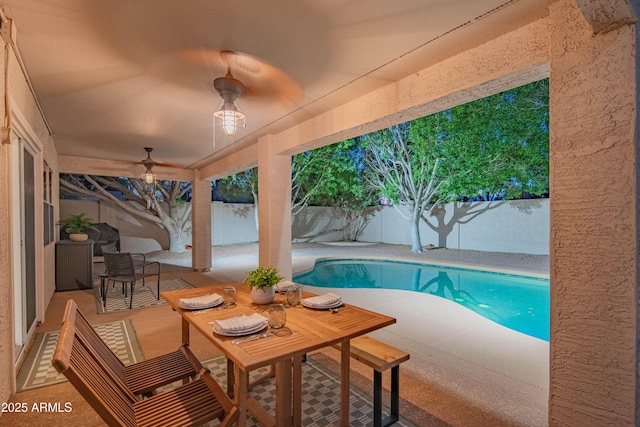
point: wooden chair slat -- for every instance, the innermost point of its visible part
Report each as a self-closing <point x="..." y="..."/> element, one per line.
<point x="111" y="402"/>
<point x="146" y="376"/>
<point x="187" y="405"/>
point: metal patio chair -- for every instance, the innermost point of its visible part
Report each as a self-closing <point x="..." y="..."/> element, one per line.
<point x="121" y="267"/>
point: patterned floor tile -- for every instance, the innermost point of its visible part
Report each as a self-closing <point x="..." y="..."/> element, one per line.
<point x="143" y="295"/>
<point x="37" y="371"/>
<point x="320" y="398"/>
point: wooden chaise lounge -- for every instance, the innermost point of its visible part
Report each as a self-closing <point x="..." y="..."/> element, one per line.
<point x="102" y="380"/>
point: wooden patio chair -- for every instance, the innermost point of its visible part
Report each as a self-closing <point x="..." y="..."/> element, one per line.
<point x="122" y="267"/>
<point x="142" y="378"/>
<point x="102" y="384"/>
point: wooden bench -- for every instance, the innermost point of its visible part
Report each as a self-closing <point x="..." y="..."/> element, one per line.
<point x="381" y="357"/>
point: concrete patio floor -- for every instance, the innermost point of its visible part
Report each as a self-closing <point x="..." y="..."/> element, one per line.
<point x="464" y="369"/>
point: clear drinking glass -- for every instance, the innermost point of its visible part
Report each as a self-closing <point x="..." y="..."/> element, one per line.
<point x="294" y="296"/>
<point x="229" y="296"/>
<point x="277" y="316"/>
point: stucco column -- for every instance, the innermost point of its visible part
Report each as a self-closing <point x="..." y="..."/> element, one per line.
<point x="200" y="223"/>
<point x="594" y="216"/>
<point x="274" y="207"/>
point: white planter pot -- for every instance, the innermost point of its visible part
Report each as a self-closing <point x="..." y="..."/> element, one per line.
<point x="263" y="296"/>
<point x="78" y="237"/>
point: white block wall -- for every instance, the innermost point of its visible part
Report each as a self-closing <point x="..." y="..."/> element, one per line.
<point x="520" y="226"/>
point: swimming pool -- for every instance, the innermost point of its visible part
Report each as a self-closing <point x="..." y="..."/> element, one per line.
<point x="518" y="302"/>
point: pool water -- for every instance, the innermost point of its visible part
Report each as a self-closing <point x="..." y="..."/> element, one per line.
<point x="520" y="303"/>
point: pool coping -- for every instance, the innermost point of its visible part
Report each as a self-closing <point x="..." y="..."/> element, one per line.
<point x="451" y="264"/>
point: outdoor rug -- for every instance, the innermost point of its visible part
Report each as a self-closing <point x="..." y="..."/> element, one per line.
<point x="37" y="371"/>
<point x="320" y="396"/>
<point x="143" y="295"/>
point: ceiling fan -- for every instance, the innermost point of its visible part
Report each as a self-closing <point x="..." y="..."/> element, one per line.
<point x="257" y="80"/>
<point x="148" y="176"/>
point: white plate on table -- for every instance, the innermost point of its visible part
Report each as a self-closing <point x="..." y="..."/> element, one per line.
<point x="200" y="306"/>
<point x="284" y="286"/>
<point x="335" y="304"/>
<point x="249" y="331"/>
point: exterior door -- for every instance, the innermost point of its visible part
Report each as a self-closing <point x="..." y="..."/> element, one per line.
<point x="25" y="280"/>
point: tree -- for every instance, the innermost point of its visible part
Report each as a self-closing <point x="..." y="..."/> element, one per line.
<point x="494" y="148"/>
<point x="345" y="185"/>
<point x="305" y="179"/>
<point x="327" y="176"/>
<point x="238" y="188"/>
<point x="405" y="172"/>
<point x="163" y="203"/>
<point x="241" y="187"/>
<point x="308" y="171"/>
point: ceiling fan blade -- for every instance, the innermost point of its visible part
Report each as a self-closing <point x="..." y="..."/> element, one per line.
<point x="167" y="164"/>
<point x="240" y="61"/>
<point x="150" y="163"/>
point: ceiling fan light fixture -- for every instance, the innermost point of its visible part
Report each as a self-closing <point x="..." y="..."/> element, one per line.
<point x="229" y="114"/>
<point x="230" y="118"/>
<point x="149" y="177"/>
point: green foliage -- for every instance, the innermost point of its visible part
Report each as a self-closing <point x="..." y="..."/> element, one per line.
<point x="335" y="175"/>
<point x="308" y="171"/>
<point x="403" y="170"/>
<point x="327" y="176"/>
<point x="344" y="177"/>
<point x="77" y="224"/>
<point x="263" y="277"/>
<point x="238" y="188"/>
<point x="496" y="147"/>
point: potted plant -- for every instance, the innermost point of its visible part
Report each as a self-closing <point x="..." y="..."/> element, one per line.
<point x="261" y="281"/>
<point x="77" y="227"/>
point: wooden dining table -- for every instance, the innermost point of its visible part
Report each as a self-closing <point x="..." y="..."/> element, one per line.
<point x="305" y="330"/>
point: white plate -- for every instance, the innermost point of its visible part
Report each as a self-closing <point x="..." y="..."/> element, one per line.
<point x="253" y="330"/>
<point x="201" y="306"/>
<point x="322" y="306"/>
<point x="283" y="287"/>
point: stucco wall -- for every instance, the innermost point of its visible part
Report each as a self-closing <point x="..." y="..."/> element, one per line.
<point x="6" y="336"/>
<point x="27" y="123"/>
<point x="594" y="196"/>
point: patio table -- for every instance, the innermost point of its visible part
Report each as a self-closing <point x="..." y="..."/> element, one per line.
<point x="306" y="330"/>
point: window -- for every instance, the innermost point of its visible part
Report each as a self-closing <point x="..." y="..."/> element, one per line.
<point x="49" y="225"/>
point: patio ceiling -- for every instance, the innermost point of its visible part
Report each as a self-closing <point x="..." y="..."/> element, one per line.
<point x="113" y="77"/>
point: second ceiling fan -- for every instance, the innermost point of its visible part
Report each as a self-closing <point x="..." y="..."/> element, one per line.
<point x="148" y="176"/>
